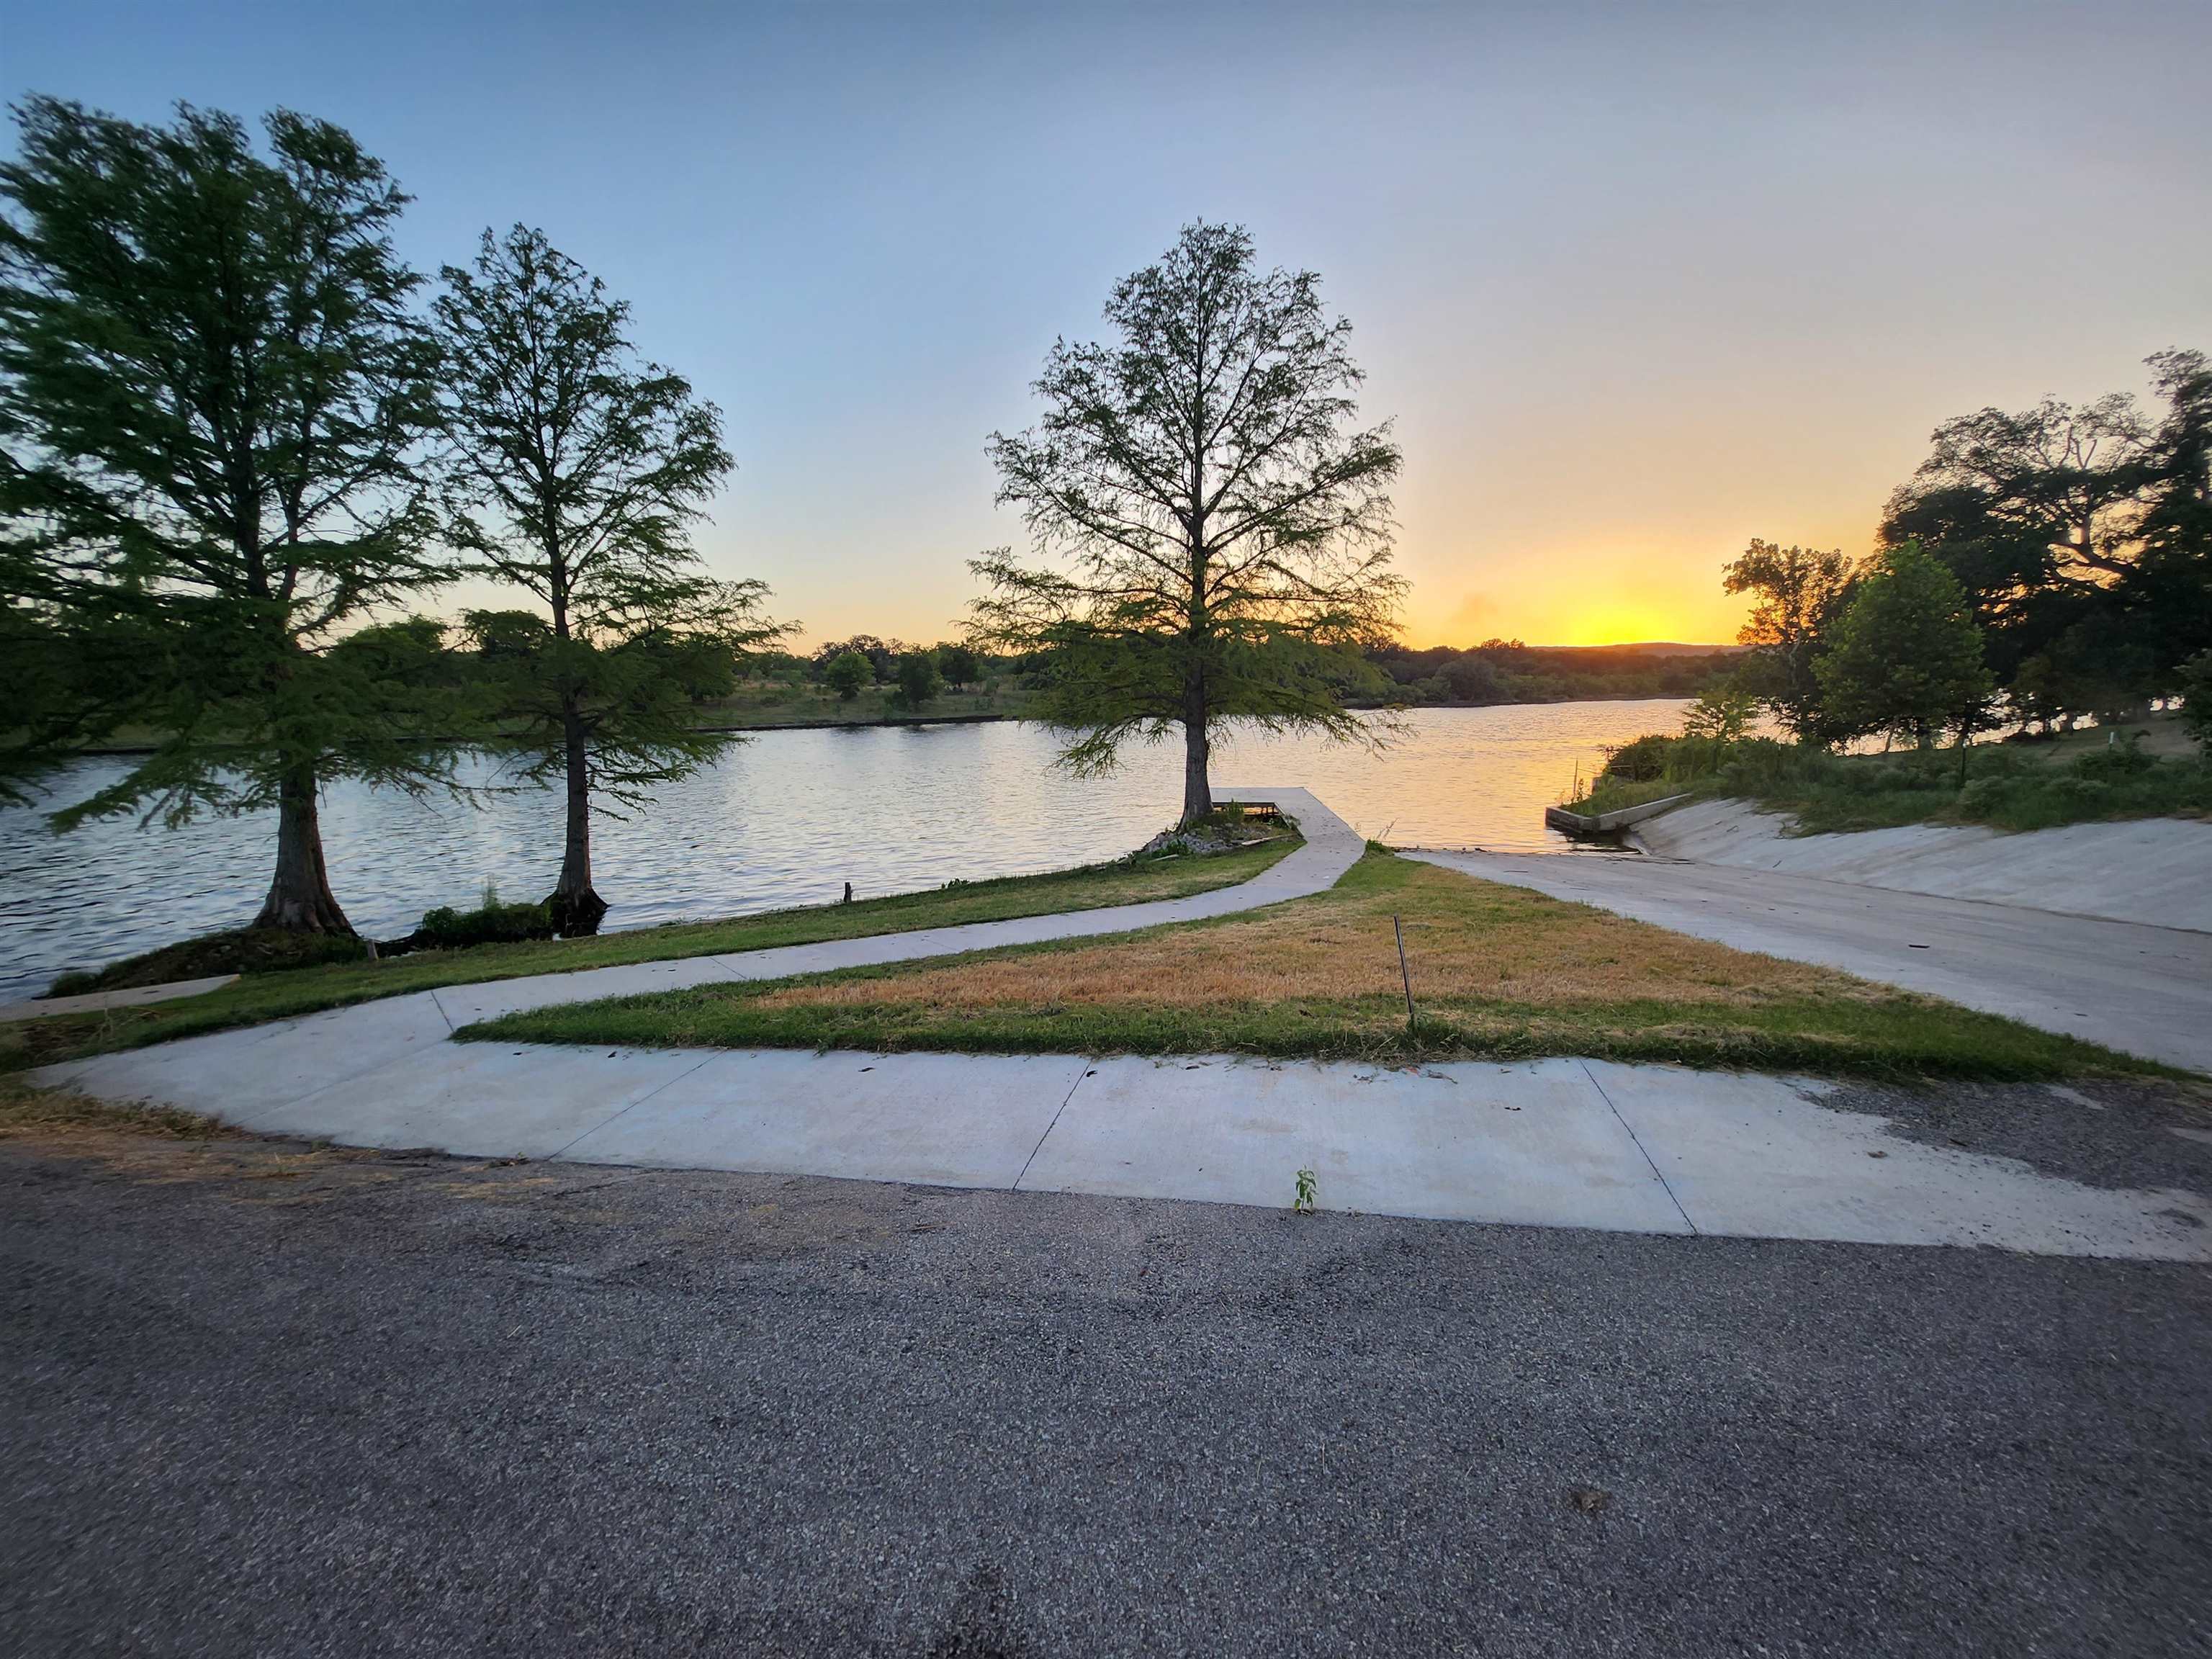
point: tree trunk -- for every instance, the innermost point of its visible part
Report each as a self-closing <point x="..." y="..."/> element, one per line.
<point x="299" y="899"/>
<point x="575" y="906"/>
<point x="1197" y="792"/>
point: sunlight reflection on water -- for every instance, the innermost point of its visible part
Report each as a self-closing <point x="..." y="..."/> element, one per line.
<point x="785" y="818"/>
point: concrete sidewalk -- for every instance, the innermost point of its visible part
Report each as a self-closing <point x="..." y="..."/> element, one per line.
<point x="93" y="1002"/>
<point x="1558" y="1143"/>
<point x="1563" y="1143"/>
<point x="2143" y="989"/>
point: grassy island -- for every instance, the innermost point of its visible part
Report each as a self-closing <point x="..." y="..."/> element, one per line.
<point x="1498" y="972"/>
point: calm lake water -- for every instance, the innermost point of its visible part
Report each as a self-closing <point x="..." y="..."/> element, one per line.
<point x="787" y="817"/>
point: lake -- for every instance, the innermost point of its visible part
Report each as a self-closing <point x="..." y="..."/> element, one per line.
<point x="784" y="818"/>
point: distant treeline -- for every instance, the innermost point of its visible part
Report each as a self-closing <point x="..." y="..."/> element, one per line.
<point x="1506" y="671"/>
<point x="1495" y="671"/>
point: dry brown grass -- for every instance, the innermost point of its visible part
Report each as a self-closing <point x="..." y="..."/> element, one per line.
<point x="1466" y="942"/>
<point x="49" y="1114"/>
<point x="1499" y="973"/>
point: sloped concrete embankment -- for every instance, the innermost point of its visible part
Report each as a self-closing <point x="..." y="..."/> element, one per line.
<point x="2155" y="871"/>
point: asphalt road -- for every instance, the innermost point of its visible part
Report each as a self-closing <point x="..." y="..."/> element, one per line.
<point x="2146" y="990"/>
<point x="254" y="1400"/>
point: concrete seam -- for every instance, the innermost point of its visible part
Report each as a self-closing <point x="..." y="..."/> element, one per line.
<point x="442" y="1014"/>
<point x="1665" y="1185"/>
<point x="1086" y="1070"/>
<point x="561" y="1152"/>
<point x="368" y="1071"/>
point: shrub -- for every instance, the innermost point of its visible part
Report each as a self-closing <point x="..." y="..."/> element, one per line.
<point x="491" y="923"/>
<point x="2079" y="797"/>
<point x="1640" y="760"/>
<point x="1984" y="799"/>
<point x="2114" y="763"/>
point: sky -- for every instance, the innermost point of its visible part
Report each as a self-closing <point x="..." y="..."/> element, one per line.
<point x="1635" y="283"/>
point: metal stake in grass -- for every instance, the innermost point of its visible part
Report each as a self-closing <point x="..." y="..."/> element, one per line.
<point x="1397" y="928"/>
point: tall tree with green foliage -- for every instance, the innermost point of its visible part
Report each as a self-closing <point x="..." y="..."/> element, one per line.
<point x="958" y="664"/>
<point x="1800" y="591"/>
<point x="847" y="674"/>
<point x="2072" y="531"/>
<point x="918" y="682"/>
<point x="2195" y="682"/>
<point x="1905" y="656"/>
<point x="2169" y="588"/>
<point x="213" y="393"/>
<point x="1218" y="523"/>
<point x="576" y="472"/>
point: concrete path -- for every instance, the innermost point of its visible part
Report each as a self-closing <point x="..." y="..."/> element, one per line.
<point x="2154" y="871"/>
<point x="1561" y="1143"/>
<point x="1332" y="847"/>
<point x="93" y="1002"/>
<point x="1555" y="1143"/>
<point x="2145" y="990"/>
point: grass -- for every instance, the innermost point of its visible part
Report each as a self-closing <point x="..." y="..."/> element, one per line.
<point x="283" y="995"/>
<point x="44" y="1113"/>
<point x="240" y="951"/>
<point x="1499" y="973"/>
<point x="2006" y="786"/>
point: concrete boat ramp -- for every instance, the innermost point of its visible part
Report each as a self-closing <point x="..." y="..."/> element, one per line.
<point x="1554" y="1143"/>
<point x="2128" y="984"/>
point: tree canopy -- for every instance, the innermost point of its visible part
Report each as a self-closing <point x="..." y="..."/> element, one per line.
<point x="919" y="683"/>
<point x="2080" y="533"/>
<point x="847" y="674"/>
<point x="1906" y="657"/>
<point x="1214" y="524"/>
<point x="213" y="394"/>
<point x="1800" y="591"/>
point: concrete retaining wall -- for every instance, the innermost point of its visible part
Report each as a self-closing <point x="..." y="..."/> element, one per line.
<point x="1604" y="824"/>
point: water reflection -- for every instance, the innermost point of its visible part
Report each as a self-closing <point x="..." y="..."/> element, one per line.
<point x="785" y="818"/>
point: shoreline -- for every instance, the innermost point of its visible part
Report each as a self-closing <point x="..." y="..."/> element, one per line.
<point x="486" y="740"/>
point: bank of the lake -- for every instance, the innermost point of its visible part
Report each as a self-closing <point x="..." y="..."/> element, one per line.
<point x="783" y="818"/>
<point x="257" y="998"/>
<point x="2152" y="870"/>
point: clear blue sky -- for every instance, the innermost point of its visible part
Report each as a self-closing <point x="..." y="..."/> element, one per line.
<point x="1637" y="283"/>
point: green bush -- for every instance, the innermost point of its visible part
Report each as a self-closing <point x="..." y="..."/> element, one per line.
<point x="1639" y="761"/>
<point x="2079" y="796"/>
<point x="490" y="923"/>
<point x="2115" y="762"/>
<point x="1984" y="799"/>
<point x="2007" y="787"/>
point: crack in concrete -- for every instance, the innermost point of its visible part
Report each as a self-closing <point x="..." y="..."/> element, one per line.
<point x="1088" y="1070"/>
<point x="706" y="1061"/>
<point x="1665" y="1185"/>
